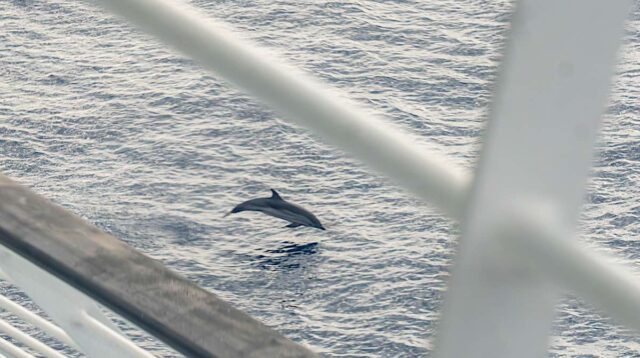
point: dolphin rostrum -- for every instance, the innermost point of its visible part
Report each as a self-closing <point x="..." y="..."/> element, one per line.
<point x="280" y="208"/>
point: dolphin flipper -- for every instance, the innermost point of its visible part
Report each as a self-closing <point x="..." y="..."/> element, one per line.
<point x="293" y="225"/>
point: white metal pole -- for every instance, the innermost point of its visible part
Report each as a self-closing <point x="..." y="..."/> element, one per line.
<point x="12" y="351"/>
<point x="303" y="100"/>
<point x="34" y="319"/>
<point x="27" y="340"/>
<point x="551" y="94"/>
<point x="72" y="310"/>
<point x="544" y="245"/>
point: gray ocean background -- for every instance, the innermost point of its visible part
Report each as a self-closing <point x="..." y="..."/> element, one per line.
<point x="149" y="147"/>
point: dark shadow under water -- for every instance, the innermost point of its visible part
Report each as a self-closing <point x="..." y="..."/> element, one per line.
<point x="287" y="256"/>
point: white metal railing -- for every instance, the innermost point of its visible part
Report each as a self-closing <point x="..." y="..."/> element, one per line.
<point x="78" y="315"/>
<point x="518" y="216"/>
<point x="37" y="321"/>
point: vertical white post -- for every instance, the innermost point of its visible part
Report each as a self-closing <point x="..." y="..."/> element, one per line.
<point x="551" y="94"/>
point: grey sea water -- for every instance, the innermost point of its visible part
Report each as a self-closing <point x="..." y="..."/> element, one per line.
<point x="152" y="149"/>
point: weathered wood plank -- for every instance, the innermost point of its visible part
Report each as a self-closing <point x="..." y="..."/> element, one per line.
<point x="191" y="320"/>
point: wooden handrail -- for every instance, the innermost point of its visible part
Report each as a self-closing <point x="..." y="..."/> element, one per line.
<point x="193" y="321"/>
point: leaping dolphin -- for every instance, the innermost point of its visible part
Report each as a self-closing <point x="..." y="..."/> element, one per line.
<point x="280" y="208"/>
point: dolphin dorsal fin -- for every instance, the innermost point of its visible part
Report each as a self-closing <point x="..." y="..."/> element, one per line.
<point x="275" y="195"/>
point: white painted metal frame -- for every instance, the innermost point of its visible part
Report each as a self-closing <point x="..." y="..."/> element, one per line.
<point x="537" y="152"/>
<point x="78" y="315"/>
<point x="11" y="350"/>
<point x="37" y="321"/>
<point x="519" y="214"/>
<point x="28" y="341"/>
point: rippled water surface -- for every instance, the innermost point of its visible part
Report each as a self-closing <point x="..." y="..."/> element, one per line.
<point x="146" y="145"/>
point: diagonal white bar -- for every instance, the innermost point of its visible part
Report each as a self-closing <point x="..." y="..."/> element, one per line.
<point x="92" y="332"/>
<point x="29" y="341"/>
<point x="547" y="247"/>
<point x="301" y="99"/>
<point x="34" y="319"/>
<point x="551" y="94"/>
<point x="11" y="350"/>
